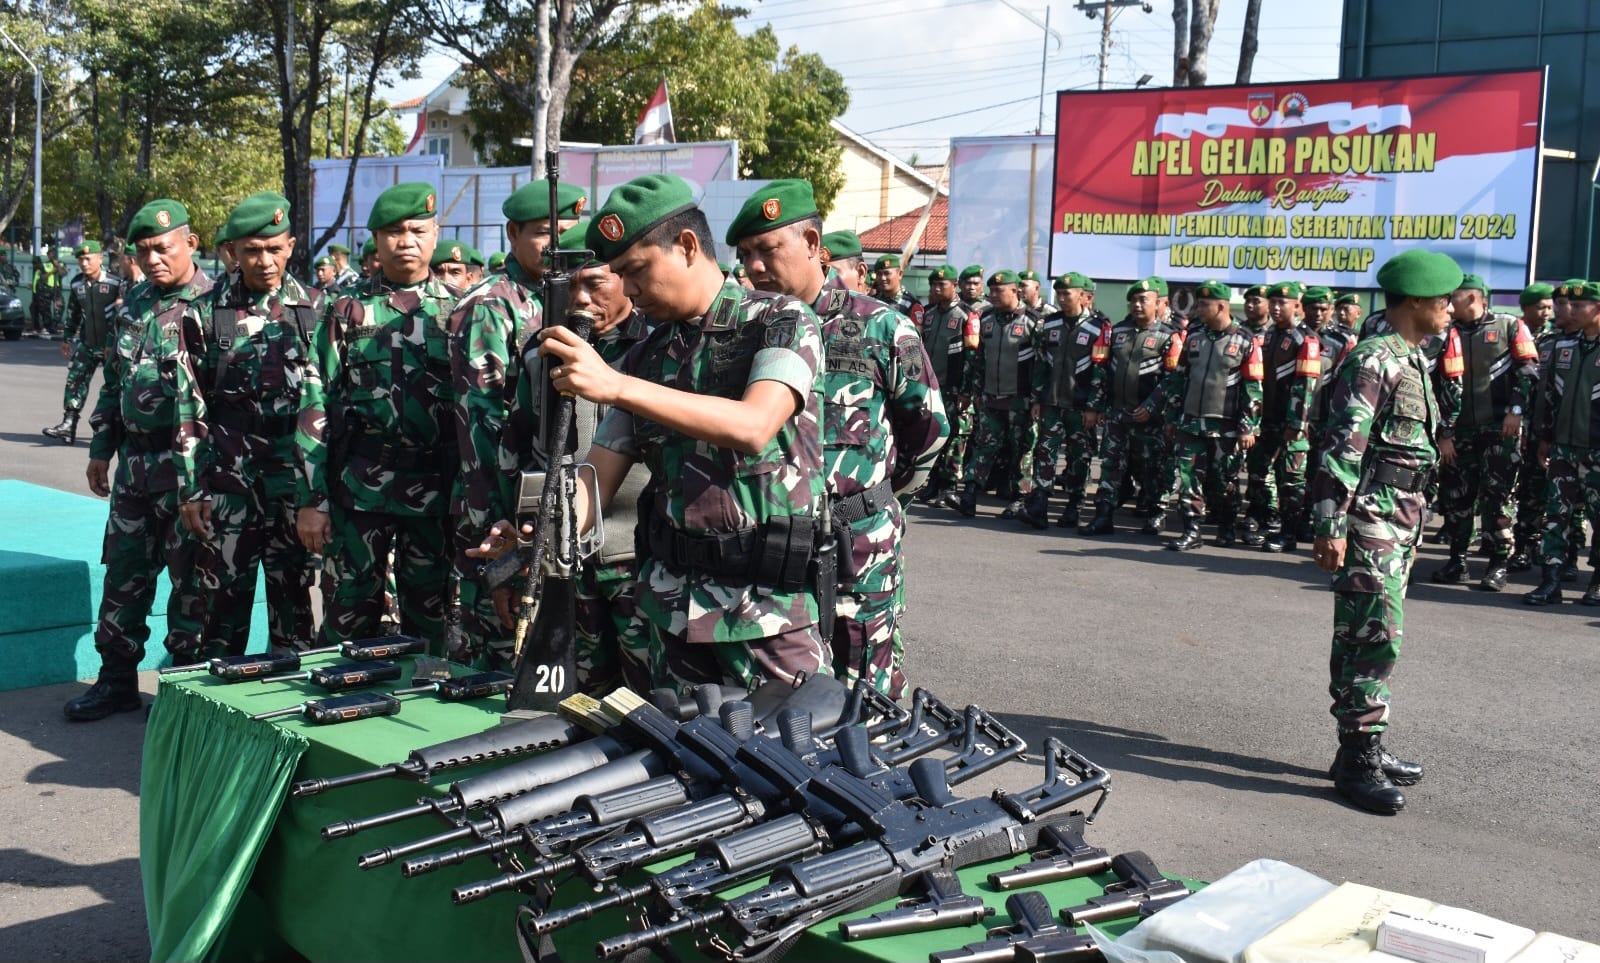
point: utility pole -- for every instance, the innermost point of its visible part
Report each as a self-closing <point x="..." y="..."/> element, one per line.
<point x="38" y="144"/>
<point x="1106" y="10"/>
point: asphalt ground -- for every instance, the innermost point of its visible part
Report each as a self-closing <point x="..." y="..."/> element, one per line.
<point x="1198" y="679"/>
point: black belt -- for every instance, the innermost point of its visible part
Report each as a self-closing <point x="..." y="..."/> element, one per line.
<point x="1405" y="479"/>
<point x="271" y="426"/>
<point x="775" y="555"/>
<point x="398" y="457"/>
<point x="861" y="505"/>
<point x="147" y="443"/>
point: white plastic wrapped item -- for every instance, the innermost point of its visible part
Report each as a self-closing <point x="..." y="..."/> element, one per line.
<point x="1218" y="923"/>
<point x="1341" y="927"/>
<point x="1550" y="948"/>
<point x="1116" y="952"/>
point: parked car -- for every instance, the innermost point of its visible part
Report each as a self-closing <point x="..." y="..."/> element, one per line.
<point x="12" y="318"/>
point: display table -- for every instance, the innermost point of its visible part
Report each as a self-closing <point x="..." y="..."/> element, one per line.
<point x="234" y="870"/>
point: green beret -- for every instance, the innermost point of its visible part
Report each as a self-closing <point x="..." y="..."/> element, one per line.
<point x="531" y="202"/>
<point x="886" y="261"/>
<point x="944" y="272"/>
<point x="414" y="200"/>
<point x="1288" y="290"/>
<point x="1348" y="299"/>
<point x="451" y="252"/>
<point x="972" y="271"/>
<point x="1213" y="289"/>
<point x="1568" y="289"/>
<point x="1419" y="273"/>
<point x="1257" y="290"/>
<point x="1004" y="277"/>
<point x="633" y="209"/>
<point x="842" y="244"/>
<point x="1317" y="294"/>
<point x="723" y="267"/>
<point x="780" y="203"/>
<point x="1587" y="291"/>
<point x="739" y="271"/>
<point x="157" y="217"/>
<point x="336" y="249"/>
<point x="323" y="261"/>
<point x="1158" y="285"/>
<point x="368" y="249"/>
<point x="497" y="259"/>
<point x="260" y="215"/>
<point x="1537" y="291"/>
<point x="575" y="238"/>
<point x="1072" y="279"/>
<point x="87" y="247"/>
<point x="1473" y="282"/>
<point x="1028" y="274"/>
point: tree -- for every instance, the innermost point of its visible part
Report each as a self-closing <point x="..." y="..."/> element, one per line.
<point x="25" y="23"/>
<point x="1191" y="40"/>
<point x="1249" y="41"/>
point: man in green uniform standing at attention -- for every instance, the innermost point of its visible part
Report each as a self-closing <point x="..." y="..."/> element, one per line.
<point x="1538" y="309"/>
<point x="376" y="434"/>
<point x="1070" y="346"/>
<point x="888" y="277"/>
<point x="1292" y="356"/>
<point x="1369" y="504"/>
<point x="946" y="330"/>
<point x="89" y="328"/>
<point x="136" y="420"/>
<point x="1000" y="388"/>
<point x="238" y="402"/>
<point x="843" y="249"/>
<point x="883" y="423"/>
<point x="724" y="402"/>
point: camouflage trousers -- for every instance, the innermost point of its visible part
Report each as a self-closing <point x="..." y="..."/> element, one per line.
<point x="870" y="605"/>
<point x="1532" y="486"/>
<point x="1010" y="427"/>
<point x="1573" y="485"/>
<point x="80" y="371"/>
<point x="46" y="311"/>
<point x="678" y="664"/>
<point x="144" y="535"/>
<point x="250" y="529"/>
<point x="1261" y="488"/>
<point x="605" y="609"/>
<point x="949" y="467"/>
<point x="1368" y="607"/>
<point x="1208" y="470"/>
<point x="1141" y="450"/>
<point x="1481" y="480"/>
<point x="358" y="558"/>
<point x="1289" y="472"/>
<point x="1061" y="430"/>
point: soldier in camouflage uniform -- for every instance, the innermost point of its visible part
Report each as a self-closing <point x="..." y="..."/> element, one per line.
<point x="1292" y="356"/>
<point x="370" y="268"/>
<point x="1480" y="443"/>
<point x="883" y="423"/>
<point x="1369" y="510"/>
<point x="969" y="287"/>
<point x="887" y="278"/>
<point x="1336" y="337"/>
<point x="1031" y="295"/>
<point x="90" y="326"/>
<point x="1126" y="396"/>
<point x="1070" y="346"/>
<point x="376" y="434"/>
<point x="1213" y="391"/>
<point x="327" y="277"/>
<point x="1261" y="489"/>
<point x="1567" y="423"/>
<point x="1538" y="308"/>
<point x="1000" y="384"/>
<point x="238" y="400"/>
<point x="842" y="253"/>
<point x="947" y="334"/>
<point x="343" y="275"/>
<point x="490" y="327"/>
<point x="723" y="401"/>
<point x="135" y="420"/>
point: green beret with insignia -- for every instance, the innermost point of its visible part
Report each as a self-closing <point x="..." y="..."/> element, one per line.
<point x="1587" y="291"/>
<point x="497" y="260"/>
<point x="780" y="203"/>
<point x="1214" y="289"/>
<point x="633" y="209"/>
<point x="842" y="244"/>
<point x="1569" y="288"/>
<point x="87" y="247"/>
<point x="323" y="261"/>
<point x="260" y="215"/>
<point x="1028" y="274"/>
<point x="1072" y="279"/>
<point x="1317" y="294"/>
<point x="451" y="252"/>
<point x="1158" y="285"/>
<point x="336" y="249"/>
<point x="157" y="217"/>
<point x="972" y="271"/>
<point x="1348" y="299"/>
<point x="1473" y="282"/>
<point x="412" y="201"/>
<point x="1288" y="290"/>
<point x="1536" y="292"/>
<point x="368" y="249"/>
<point x="1420" y="273"/>
<point x="531" y="202"/>
<point x="1257" y="290"/>
<point x="886" y="261"/>
<point x="944" y="272"/>
<point x="1004" y="277"/>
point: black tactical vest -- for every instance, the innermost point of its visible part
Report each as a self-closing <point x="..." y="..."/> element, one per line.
<point x="1007" y="353"/>
<point x="1135" y="362"/>
<point x="1215" y="388"/>
<point x="1487" y="364"/>
<point x="942" y="330"/>
<point x="1337" y="340"/>
<point x="93" y="300"/>
<point x="1575" y="379"/>
<point x="1279" y="353"/>
<point x="1069" y="345"/>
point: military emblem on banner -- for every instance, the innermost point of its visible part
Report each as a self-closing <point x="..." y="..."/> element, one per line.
<point x="1293" y="106"/>
<point x="1259" y="108"/>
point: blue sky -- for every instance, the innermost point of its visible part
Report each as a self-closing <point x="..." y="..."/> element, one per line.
<point x="923" y="71"/>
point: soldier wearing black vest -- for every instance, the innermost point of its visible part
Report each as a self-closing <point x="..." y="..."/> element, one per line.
<point x="1001" y="381"/>
<point x="1213" y="389"/>
<point x="1260" y="491"/>
<point x="1325" y="314"/>
<point x="1070" y="346"/>
<point x="1538" y="311"/>
<point x="1480" y="437"/>
<point x="946" y="326"/>
<point x="1292" y="356"/>
<point x="90" y="327"/>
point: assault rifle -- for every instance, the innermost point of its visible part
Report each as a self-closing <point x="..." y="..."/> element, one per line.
<point x="366" y="704"/>
<point x="237" y="668"/>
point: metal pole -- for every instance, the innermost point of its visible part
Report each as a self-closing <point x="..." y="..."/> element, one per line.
<point x="38" y="144"/>
<point x="1588" y="235"/>
<point x="1044" y="52"/>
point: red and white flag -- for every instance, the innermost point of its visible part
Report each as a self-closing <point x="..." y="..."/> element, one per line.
<point x="655" y="122"/>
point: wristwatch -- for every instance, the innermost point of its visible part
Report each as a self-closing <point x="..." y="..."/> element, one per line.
<point x="1516" y="410"/>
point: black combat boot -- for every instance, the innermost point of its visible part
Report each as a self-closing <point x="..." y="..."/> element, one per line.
<point x="929" y="495"/>
<point x="1252" y="533"/>
<point x="1013" y="509"/>
<point x="1189" y="540"/>
<point x="1036" y="509"/>
<point x="968" y="503"/>
<point x="1453" y="572"/>
<point x="1101" y="524"/>
<point x="1569" y="566"/>
<point x="1226" y="535"/>
<point x="1358" y="774"/>
<point x="1521" y="560"/>
<point x="1592" y="596"/>
<point x="67" y="431"/>
<point x="1069" y="516"/>
<point x="1494" y="577"/>
<point x="1156" y="522"/>
<point x="116" y="690"/>
<point x="1399" y="771"/>
<point x="1549" y="590"/>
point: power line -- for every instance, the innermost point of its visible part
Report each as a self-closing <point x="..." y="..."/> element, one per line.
<point x="959" y="113"/>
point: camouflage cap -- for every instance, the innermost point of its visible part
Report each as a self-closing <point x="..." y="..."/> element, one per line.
<point x="1287" y="290"/>
<point x="414" y="200"/>
<point x="779" y="204"/>
<point x="334" y="249"/>
<point x="1348" y="299"/>
<point x="260" y="215"/>
<point x="842" y="244"/>
<point x="1072" y="279"/>
<point x="633" y="209"/>
<point x="1215" y="290"/>
<point x="1317" y="294"/>
<point x="531" y="202"/>
<point x="886" y="261"/>
<point x="972" y="271"/>
<point x="497" y="260"/>
<point x="1158" y="285"/>
<point x="1004" y="277"/>
<point x="1257" y="290"/>
<point x="1028" y="274"/>
<point x="157" y="217"/>
<point x="944" y="272"/>
<point x="1420" y="273"/>
<point x="1536" y="292"/>
<point x="1473" y="282"/>
<point x="87" y="247"/>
